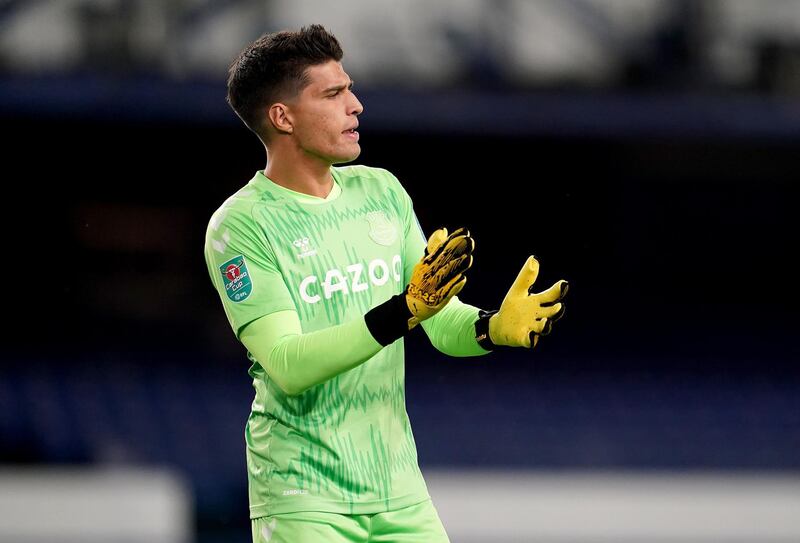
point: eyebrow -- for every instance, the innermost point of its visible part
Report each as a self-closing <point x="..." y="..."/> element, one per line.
<point x="339" y="87"/>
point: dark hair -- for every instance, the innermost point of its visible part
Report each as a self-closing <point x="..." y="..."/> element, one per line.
<point x="274" y="67"/>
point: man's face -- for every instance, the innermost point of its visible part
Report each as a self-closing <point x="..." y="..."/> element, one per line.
<point x="325" y="115"/>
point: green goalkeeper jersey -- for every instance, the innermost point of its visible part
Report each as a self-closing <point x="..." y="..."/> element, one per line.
<point x="344" y="446"/>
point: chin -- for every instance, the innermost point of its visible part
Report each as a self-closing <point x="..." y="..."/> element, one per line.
<point x="347" y="157"/>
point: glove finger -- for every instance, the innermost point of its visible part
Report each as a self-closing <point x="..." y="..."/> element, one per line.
<point x="452" y="245"/>
<point x="459" y="242"/>
<point x="462" y="264"/>
<point x="436" y="240"/>
<point x="443" y="269"/>
<point x="471" y="241"/>
<point x="435" y="281"/>
<point x="451" y="256"/>
<point x="551" y="312"/>
<point x="542" y="326"/>
<point x="533" y="339"/>
<point x="455" y="267"/>
<point x="526" y="277"/>
<point x="560" y="308"/>
<point x="460" y="232"/>
<point x="451" y="289"/>
<point x="554" y="294"/>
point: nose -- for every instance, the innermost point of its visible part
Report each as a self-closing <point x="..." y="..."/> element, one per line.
<point x="356" y="107"/>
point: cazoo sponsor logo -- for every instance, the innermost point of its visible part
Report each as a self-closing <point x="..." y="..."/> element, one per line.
<point x="353" y="278"/>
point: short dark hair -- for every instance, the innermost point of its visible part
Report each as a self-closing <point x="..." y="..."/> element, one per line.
<point x="274" y="67"/>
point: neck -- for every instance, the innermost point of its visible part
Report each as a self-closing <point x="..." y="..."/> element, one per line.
<point x="305" y="174"/>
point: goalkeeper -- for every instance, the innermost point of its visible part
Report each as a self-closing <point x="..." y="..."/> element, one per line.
<point x="321" y="271"/>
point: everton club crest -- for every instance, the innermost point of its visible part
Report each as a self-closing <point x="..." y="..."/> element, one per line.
<point x="381" y="230"/>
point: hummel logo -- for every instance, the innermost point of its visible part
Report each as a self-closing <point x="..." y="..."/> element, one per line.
<point x="303" y="245"/>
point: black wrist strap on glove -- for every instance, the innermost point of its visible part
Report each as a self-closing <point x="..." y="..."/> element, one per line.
<point x="388" y="321"/>
<point x="482" y="330"/>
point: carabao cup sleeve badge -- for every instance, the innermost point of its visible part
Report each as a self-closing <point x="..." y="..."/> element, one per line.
<point x="236" y="279"/>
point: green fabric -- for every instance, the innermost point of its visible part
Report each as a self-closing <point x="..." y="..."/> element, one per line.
<point x="298" y="362"/>
<point x="304" y="198"/>
<point x="328" y="429"/>
<point x="418" y="523"/>
<point x="344" y="445"/>
<point x="452" y="330"/>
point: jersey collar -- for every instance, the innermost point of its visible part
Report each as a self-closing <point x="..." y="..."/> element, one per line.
<point x="301" y="197"/>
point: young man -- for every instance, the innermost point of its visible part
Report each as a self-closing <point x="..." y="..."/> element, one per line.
<point x="322" y="270"/>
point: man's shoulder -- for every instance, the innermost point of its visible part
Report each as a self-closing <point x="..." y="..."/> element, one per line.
<point x="237" y="207"/>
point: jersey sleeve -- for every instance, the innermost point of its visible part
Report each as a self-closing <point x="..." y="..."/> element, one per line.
<point x="297" y="361"/>
<point x="243" y="268"/>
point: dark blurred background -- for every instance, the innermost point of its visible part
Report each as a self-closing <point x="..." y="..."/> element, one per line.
<point x="647" y="151"/>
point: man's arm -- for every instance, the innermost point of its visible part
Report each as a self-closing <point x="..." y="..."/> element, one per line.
<point x="261" y="312"/>
<point x="297" y="361"/>
<point x="452" y="330"/>
<point x="464" y="330"/>
<point x="524" y="316"/>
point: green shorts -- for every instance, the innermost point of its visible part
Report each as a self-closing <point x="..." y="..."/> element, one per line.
<point x="415" y="524"/>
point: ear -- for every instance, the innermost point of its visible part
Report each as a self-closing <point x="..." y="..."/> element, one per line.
<point x="280" y="118"/>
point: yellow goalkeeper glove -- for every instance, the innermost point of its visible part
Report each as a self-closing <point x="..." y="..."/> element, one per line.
<point x="523" y="316"/>
<point x="435" y="279"/>
<point x="439" y="275"/>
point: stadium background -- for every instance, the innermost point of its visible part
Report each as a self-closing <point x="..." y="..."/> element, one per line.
<point x="648" y="151"/>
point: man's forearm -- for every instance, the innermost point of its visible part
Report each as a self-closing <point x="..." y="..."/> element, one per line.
<point x="297" y="362"/>
<point x="452" y="331"/>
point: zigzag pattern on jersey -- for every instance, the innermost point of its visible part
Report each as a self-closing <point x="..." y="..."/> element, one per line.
<point x="302" y="222"/>
<point x="349" y="470"/>
<point x="353" y="472"/>
<point x="328" y="406"/>
<point x="329" y="462"/>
